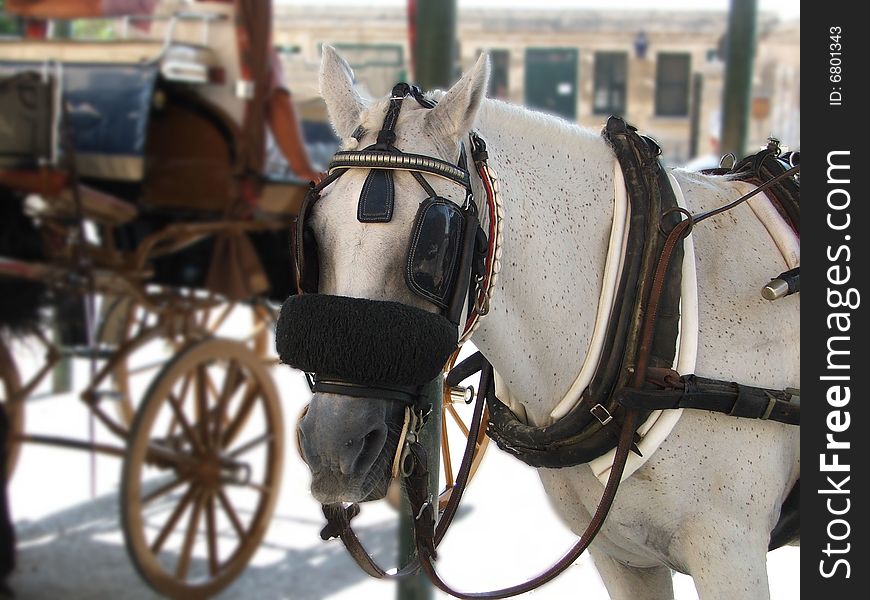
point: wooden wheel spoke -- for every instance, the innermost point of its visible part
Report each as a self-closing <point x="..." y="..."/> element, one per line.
<point x="241" y="417"/>
<point x="262" y="489"/>
<point x="457" y="419"/>
<point x="265" y="438"/>
<point x="231" y="513"/>
<point x="189" y="432"/>
<point x="163" y="490"/>
<point x="211" y="537"/>
<point x="172" y="521"/>
<point x="210" y="386"/>
<point x="190" y="537"/>
<point x="202" y="414"/>
<point x="232" y="381"/>
<point x="221" y="318"/>
<point x="173" y="423"/>
<point x="445" y="452"/>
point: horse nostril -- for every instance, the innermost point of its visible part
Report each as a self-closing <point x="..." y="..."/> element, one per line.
<point x="357" y="455"/>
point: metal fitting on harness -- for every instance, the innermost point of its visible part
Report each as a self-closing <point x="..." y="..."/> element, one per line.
<point x="783" y="285"/>
<point x="602" y="414"/>
<point x="415" y="419"/>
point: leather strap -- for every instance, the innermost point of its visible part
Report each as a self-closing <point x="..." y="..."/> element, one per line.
<point x="622" y="450"/>
<point x="416" y="486"/>
<point x="406" y="394"/>
<point x="623" y="447"/>
<point x="719" y="396"/>
<point x="377" y="197"/>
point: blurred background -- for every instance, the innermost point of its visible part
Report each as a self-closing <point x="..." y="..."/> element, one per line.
<point x="661" y="65"/>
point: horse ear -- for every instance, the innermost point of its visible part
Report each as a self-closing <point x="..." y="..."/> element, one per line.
<point x="456" y="111"/>
<point x="343" y="102"/>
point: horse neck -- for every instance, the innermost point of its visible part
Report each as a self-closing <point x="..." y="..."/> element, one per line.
<point x="556" y="184"/>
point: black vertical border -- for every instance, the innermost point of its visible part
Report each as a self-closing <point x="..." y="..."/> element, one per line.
<point x="828" y="128"/>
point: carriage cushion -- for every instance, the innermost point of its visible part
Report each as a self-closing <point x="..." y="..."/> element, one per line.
<point x="107" y="111"/>
<point x="364" y="341"/>
<point x="108" y="87"/>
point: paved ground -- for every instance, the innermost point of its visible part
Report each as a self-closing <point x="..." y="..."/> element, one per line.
<point x="70" y="545"/>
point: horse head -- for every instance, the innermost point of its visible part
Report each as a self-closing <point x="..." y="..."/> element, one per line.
<point x="380" y="248"/>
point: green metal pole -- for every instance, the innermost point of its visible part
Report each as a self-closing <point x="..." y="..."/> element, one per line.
<point x="418" y="587"/>
<point x="435" y="48"/>
<point x="695" y="124"/>
<point x="434" y="57"/>
<point x="739" y="54"/>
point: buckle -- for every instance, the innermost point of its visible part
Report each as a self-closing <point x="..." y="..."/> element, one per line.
<point x="417" y="419"/>
<point x="481" y="307"/>
<point x="602" y="414"/>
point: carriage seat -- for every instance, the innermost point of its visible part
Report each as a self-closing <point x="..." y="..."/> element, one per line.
<point x="56" y="197"/>
<point x="281" y="197"/>
<point x="110" y="90"/>
<point x="178" y="62"/>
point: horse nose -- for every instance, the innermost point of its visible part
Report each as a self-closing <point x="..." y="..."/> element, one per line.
<point x="354" y="446"/>
<point x="358" y="453"/>
<point x="304" y="430"/>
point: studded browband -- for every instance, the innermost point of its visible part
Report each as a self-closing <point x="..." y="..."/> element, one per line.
<point x="377" y="159"/>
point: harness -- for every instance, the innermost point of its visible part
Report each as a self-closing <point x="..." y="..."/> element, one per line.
<point x="591" y="428"/>
<point x="632" y="379"/>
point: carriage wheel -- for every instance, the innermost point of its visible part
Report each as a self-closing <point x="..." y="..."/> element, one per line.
<point x="124" y="317"/>
<point x="202" y="470"/>
<point x="13" y="404"/>
<point x="456" y="417"/>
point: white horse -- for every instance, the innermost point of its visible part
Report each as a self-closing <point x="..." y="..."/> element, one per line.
<point x="706" y="501"/>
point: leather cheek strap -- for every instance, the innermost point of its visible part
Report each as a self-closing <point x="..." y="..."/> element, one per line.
<point x="461" y="286"/>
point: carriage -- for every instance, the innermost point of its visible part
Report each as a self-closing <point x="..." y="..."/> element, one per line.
<point x="140" y="215"/>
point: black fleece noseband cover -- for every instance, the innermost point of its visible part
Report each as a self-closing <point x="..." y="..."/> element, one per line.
<point x="364" y="341"/>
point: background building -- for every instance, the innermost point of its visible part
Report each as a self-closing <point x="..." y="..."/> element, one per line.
<point x="661" y="70"/>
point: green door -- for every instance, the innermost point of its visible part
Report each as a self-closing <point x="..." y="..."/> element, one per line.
<point x="551" y="81"/>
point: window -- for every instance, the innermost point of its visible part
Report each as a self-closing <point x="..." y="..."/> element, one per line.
<point x="672" y="85"/>
<point x="611" y="74"/>
<point x="551" y="81"/>
<point x="498" y="74"/>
